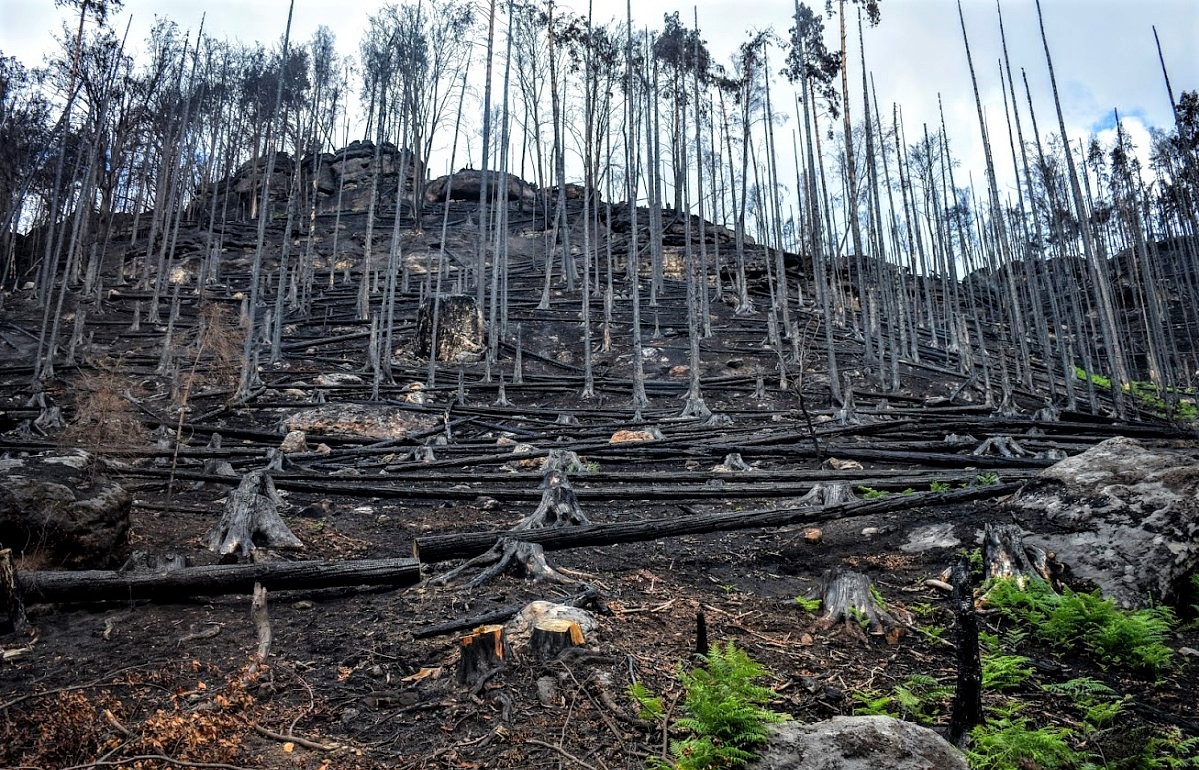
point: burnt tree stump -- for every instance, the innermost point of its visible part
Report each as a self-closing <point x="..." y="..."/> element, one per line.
<point x="850" y="604"/>
<point x="459" y="329"/>
<point x="558" y="508"/>
<point x="251" y="519"/>
<point x="1007" y="557"/>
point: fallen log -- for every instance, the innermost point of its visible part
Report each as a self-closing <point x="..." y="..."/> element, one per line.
<point x="435" y="548"/>
<point x="102" y="585"/>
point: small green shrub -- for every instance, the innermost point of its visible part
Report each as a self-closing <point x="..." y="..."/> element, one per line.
<point x="939" y="486"/>
<point x="1149" y="396"/>
<point x="870" y="493"/>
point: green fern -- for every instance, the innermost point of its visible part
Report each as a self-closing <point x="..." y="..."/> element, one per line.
<point x="808" y="605"/>
<point x="922" y="697"/>
<point x="1168" y="750"/>
<point x="1008" y="743"/>
<point x="1098" y="703"/>
<point x="870" y="493"/>
<point x="1005" y="672"/>
<point x="874" y="704"/>
<point x="651" y="705"/>
<point x="725" y="710"/>
<point x="1116" y="638"/>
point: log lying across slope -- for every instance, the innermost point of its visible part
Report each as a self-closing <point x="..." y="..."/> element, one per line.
<point x="100" y="585"/>
<point x="434" y="548"/>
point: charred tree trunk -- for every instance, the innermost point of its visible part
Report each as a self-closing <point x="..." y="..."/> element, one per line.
<point x="12" y="602"/>
<point x="966" y="711"/>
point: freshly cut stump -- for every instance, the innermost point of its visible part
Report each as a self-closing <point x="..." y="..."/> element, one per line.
<point x="849" y="604"/>
<point x="482" y="651"/>
<point x="251" y="519"/>
<point x="553" y="636"/>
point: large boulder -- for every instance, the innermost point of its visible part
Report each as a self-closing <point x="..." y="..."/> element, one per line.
<point x="1123" y="517"/>
<point x="856" y="743"/>
<point x="56" y="508"/>
<point x="466" y="185"/>
<point x="371" y="421"/>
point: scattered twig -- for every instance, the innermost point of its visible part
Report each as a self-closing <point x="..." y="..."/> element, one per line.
<point x="71" y="688"/>
<point x="561" y="751"/>
<point x="288" y="738"/>
<point x="120" y="728"/>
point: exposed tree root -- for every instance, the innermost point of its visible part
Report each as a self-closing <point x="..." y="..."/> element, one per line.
<point x="558" y="508"/>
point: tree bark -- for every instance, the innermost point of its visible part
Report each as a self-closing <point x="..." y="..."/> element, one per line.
<point x="104" y="585"/>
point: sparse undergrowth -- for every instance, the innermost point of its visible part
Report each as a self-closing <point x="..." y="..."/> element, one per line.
<point x="1150" y="397"/>
<point x="1076" y="621"/>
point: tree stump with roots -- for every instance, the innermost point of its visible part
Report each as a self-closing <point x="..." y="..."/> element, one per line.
<point x="1007" y="557"/>
<point x="251" y="519"/>
<point x="851" y="606"/>
<point x="832" y="493"/>
<point x="558" y="508"/>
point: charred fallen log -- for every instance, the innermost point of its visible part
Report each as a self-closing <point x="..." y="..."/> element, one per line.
<point x="103" y="585"/>
<point x="436" y="548"/>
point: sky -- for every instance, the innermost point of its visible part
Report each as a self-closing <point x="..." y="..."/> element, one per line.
<point x="1103" y="52"/>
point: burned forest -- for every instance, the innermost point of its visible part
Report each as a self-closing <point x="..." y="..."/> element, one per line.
<point x="522" y="386"/>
